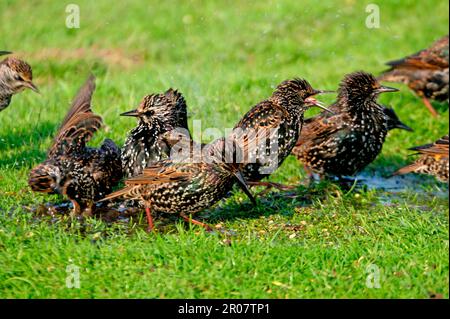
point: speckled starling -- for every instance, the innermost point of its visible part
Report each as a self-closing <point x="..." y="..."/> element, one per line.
<point x="425" y="72"/>
<point x="345" y="142"/>
<point x="72" y="169"/>
<point x="158" y="114"/>
<point x="185" y="187"/>
<point x="15" y="76"/>
<point x="433" y="160"/>
<point x="282" y="112"/>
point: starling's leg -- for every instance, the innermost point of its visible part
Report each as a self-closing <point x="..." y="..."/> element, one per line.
<point x="269" y="185"/>
<point x="429" y="106"/>
<point x="89" y="209"/>
<point x="76" y="209"/>
<point x="149" y="218"/>
<point x="195" y="222"/>
<point x="310" y="174"/>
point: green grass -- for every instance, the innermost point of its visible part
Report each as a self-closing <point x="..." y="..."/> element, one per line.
<point x="224" y="57"/>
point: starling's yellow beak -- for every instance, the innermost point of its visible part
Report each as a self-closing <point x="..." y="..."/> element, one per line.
<point x="31" y="86"/>
<point x="133" y="113"/>
<point x="311" y="101"/>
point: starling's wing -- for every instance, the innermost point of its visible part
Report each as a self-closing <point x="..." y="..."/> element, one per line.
<point x="79" y="125"/>
<point x="82" y="101"/>
<point x="159" y="173"/>
<point x="438" y="148"/>
<point x="107" y="168"/>
<point x="416" y="166"/>
<point x="323" y="126"/>
<point x="435" y="57"/>
<point x="263" y="115"/>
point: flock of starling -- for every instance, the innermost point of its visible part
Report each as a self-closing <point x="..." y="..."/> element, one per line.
<point x="340" y="141"/>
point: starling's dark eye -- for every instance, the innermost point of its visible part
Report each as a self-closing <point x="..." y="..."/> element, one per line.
<point x="149" y="113"/>
<point x="18" y="77"/>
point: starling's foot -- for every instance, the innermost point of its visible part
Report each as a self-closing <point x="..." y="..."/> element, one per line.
<point x="149" y="219"/>
<point x="278" y="186"/>
<point x="348" y="183"/>
<point x="76" y="211"/>
<point x="196" y="222"/>
<point x="88" y="211"/>
<point x="429" y="107"/>
<point x="269" y="186"/>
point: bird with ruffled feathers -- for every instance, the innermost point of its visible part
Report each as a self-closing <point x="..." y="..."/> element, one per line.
<point x="157" y="114"/>
<point x="189" y="184"/>
<point x="72" y="169"/>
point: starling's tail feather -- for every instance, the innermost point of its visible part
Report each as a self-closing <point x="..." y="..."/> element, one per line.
<point x="411" y="168"/>
<point x="119" y="193"/>
<point x="393" y="75"/>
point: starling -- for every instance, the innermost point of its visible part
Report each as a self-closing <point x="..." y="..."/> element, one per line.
<point x="426" y="73"/>
<point x="282" y="115"/>
<point x="345" y="142"/>
<point x="15" y="76"/>
<point x="81" y="173"/>
<point x="185" y="186"/>
<point x="158" y="114"/>
<point x="433" y="160"/>
<point x="392" y="120"/>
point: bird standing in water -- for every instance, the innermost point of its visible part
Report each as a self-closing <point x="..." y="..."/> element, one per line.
<point x="72" y="169"/>
<point x="15" y="76"/>
<point x="433" y="160"/>
<point x="158" y="114"/>
<point x="345" y="142"/>
<point x="425" y="72"/>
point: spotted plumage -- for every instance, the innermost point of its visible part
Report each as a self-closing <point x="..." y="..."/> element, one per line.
<point x="425" y="72"/>
<point x="433" y="160"/>
<point x="345" y="142"/>
<point x="282" y="116"/>
<point x="186" y="185"/>
<point x="15" y="76"/>
<point x="158" y="114"/>
<point x="72" y="169"/>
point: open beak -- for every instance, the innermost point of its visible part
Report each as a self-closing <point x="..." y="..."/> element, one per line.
<point x="133" y="113"/>
<point x="243" y="185"/>
<point x="31" y="86"/>
<point x="384" y="89"/>
<point x="402" y="126"/>
<point x="5" y="52"/>
<point x="311" y="101"/>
